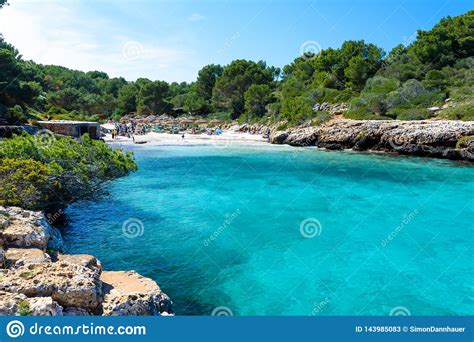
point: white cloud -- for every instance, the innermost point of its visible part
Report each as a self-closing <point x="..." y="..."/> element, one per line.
<point x="54" y="33"/>
<point x="196" y="17"/>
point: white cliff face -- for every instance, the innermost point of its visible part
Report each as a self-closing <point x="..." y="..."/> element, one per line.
<point x="438" y="139"/>
<point x="34" y="283"/>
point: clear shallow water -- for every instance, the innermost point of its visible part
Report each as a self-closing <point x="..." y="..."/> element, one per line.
<point x="252" y="200"/>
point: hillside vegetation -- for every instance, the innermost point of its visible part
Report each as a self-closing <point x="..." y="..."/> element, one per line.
<point x="401" y="84"/>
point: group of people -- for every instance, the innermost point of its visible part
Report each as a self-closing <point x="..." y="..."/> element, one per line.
<point x="129" y="129"/>
<point x="214" y="131"/>
<point x="124" y="130"/>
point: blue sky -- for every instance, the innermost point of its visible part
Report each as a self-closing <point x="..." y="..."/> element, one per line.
<point x="172" y="40"/>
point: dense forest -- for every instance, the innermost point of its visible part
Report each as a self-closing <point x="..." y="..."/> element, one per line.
<point x="401" y="84"/>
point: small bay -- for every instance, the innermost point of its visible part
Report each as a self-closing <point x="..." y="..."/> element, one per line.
<point x="275" y="230"/>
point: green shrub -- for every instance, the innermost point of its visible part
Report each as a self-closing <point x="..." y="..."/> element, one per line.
<point x="364" y="115"/>
<point x="409" y="113"/>
<point x="463" y="112"/>
<point x="23" y="307"/>
<point x="26" y="275"/>
<point x="464" y="141"/>
<point x="68" y="169"/>
<point x="223" y="116"/>
<point x="14" y="115"/>
<point x="320" y="118"/>
<point x="282" y="127"/>
<point x="23" y="182"/>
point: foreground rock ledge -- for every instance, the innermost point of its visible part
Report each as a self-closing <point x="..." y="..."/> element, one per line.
<point x="32" y="282"/>
<point x="129" y="293"/>
<point x="437" y="139"/>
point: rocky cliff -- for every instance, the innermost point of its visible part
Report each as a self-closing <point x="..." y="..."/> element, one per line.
<point x="438" y="139"/>
<point x="37" y="280"/>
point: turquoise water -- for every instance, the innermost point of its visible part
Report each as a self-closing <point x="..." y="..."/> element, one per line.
<point x="294" y="231"/>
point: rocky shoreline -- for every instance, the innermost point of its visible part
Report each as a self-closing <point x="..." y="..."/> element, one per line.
<point x="436" y="139"/>
<point x="36" y="279"/>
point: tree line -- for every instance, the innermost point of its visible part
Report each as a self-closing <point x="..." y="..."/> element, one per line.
<point x="400" y="84"/>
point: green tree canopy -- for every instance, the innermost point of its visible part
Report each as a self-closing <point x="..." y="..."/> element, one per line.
<point x="152" y="98"/>
<point x="238" y="76"/>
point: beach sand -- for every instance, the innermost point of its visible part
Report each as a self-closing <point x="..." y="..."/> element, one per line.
<point x="226" y="138"/>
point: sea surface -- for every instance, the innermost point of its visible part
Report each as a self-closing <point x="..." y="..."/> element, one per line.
<point x="277" y="230"/>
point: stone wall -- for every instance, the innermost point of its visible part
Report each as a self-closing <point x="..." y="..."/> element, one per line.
<point x="73" y="129"/>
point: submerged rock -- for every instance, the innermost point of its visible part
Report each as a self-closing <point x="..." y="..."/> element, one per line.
<point x="130" y="294"/>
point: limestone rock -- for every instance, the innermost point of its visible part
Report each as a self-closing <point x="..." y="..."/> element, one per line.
<point x="28" y="228"/>
<point x="130" y="294"/>
<point x="66" y="283"/>
<point x="423" y="138"/>
<point x="8" y="303"/>
<point x="44" y="306"/>
<point x="17" y="257"/>
<point x="279" y="137"/>
<point x="84" y="260"/>
<point x="17" y="304"/>
<point x="303" y="137"/>
<point x="4" y="221"/>
<point x="31" y="283"/>
<point x="73" y="311"/>
<point x="2" y="257"/>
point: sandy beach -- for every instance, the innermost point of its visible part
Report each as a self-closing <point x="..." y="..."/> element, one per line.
<point x="226" y="138"/>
